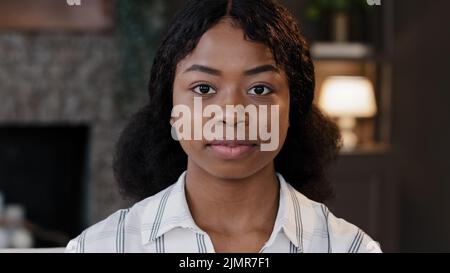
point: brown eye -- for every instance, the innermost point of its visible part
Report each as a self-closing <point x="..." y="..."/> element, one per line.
<point x="260" y="90"/>
<point x="203" y="89"/>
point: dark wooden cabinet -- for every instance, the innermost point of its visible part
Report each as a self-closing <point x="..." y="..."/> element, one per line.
<point x="366" y="195"/>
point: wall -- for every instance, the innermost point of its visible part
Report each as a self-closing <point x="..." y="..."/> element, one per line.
<point x="421" y="123"/>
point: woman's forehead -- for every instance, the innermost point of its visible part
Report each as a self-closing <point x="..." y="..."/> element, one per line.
<point x="225" y="47"/>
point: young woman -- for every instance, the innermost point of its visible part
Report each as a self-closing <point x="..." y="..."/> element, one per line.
<point x="222" y="195"/>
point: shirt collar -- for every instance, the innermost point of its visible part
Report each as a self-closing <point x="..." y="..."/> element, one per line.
<point x="172" y="211"/>
<point x="294" y="208"/>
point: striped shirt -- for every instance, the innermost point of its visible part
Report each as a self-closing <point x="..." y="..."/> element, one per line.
<point x="163" y="223"/>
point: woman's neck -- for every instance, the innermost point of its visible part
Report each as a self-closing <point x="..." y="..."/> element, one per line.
<point x="233" y="206"/>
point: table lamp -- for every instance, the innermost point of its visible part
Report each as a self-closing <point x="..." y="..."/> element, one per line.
<point x="348" y="98"/>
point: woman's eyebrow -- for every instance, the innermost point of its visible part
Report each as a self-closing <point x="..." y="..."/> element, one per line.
<point x="261" y="69"/>
<point x="204" y="69"/>
<point x="216" y="72"/>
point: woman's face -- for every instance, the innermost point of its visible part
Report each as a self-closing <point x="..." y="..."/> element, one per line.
<point x="221" y="71"/>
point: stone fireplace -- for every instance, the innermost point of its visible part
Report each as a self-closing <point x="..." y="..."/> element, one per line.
<point x="56" y="87"/>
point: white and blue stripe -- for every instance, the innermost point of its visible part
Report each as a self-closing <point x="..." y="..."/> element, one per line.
<point x="162" y="223"/>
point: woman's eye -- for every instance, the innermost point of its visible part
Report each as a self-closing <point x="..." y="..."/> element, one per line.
<point x="203" y="89"/>
<point x="260" y="90"/>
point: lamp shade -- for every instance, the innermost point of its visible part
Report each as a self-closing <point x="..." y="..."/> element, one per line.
<point x="348" y="96"/>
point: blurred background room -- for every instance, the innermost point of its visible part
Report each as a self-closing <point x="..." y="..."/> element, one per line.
<point x="73" y="71"/>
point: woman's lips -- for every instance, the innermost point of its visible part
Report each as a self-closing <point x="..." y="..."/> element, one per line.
<point x="231" y="149"/>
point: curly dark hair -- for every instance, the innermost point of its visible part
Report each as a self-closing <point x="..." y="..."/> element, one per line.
<point x="147" y="159"/>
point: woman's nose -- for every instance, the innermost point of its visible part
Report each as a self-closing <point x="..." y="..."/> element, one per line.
<point x="232" y="101"/>
<point x="231" y="95"/>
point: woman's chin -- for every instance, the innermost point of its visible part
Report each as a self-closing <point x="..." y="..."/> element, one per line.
<point x="232" y="170"/>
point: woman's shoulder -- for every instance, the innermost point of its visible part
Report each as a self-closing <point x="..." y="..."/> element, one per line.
<point x="108" y="235"/>
<point x="322" y="227"/>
